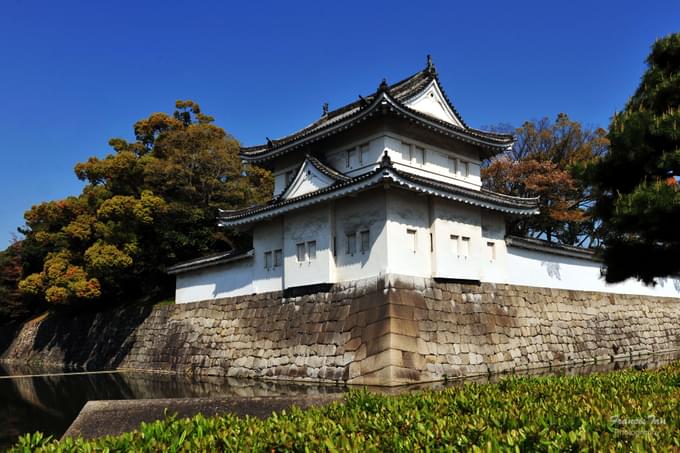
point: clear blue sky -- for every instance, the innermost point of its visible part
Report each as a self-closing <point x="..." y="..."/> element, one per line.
<point x="75" y="73"/>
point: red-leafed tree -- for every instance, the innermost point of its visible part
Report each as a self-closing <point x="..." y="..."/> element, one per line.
<point x="548" y="160"/>
<point x="12" y="305"/>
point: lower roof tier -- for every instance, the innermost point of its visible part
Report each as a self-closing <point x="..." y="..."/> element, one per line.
<point x="385" y="175"/>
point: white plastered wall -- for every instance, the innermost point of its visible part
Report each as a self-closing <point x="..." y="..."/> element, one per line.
<point x="311" y="224"/>
<point x="267" y="237"/>
<point x="353" y="215"/>
<point x="549" y="270"/>
<point x="308" y="179"/>
<point x="435" y="164"/>
<point x="408" y="211"/>
<point x="494" y="254"/>
<point x="452" y="258"/>
<point x="359" y="162"/>
<point x="431" y="102"/>
<point x="227" y="280"/>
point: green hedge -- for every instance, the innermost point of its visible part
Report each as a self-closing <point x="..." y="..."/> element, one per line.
<point x="618" y="411"/>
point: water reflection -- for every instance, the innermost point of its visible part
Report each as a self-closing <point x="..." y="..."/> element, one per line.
<point x="50" y="403"/>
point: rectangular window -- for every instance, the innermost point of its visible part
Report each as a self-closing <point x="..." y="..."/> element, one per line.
<point x="335" y="247"/>
<point x="464" y="246"/>
<point x="278" y="258"/>
<point x="365" y="241"/>
<point x="453" y="165"/>
<point x="267" y="260"/>
<point x="406" y="151"/>
<point x="301" y="252"/>
<point x="289" y="177"/>
<point x="491" y="248"/>
<point x="363" y="153"/>
<point x="351" y="243"/>
<point x="412" y="240"/>
<point x="464" y="169"/>
<point x="350" y="158"/>
<point x="311" y="250"/>
<point x="417" y="155"/>
<point x="431" y="243"/>
<point x="454" y="244"/>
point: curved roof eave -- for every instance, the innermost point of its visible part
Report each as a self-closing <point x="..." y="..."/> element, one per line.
<point x="384" y="175"/>
<point x="361" y="114"/>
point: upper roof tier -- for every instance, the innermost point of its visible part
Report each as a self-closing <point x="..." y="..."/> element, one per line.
<point x="420" y="98"/>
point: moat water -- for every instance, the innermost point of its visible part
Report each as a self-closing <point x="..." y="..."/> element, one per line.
<point x="37" y="399"/>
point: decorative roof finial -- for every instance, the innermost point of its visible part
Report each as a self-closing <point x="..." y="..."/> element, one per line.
<point x="383" y="87"/>
<point x="325" y="108"/>
<point x="386" y="161"/>
<point x="269" y="142"/>
<point x="430" y="66"/>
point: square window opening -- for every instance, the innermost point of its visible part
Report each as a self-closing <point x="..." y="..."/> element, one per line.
<point x="465" y="246"/>
<point x="412" y="240"/>
<point x="365" y="241"/>
<point x="311" y="250"/>
<point x="491" y="247"/>
<point x="363" y="153"/>
<point x="289" y="177"/>
<point x="350" y="158"/>
<point x="453" y="165"/>
<point x="301" y="252"/>
<point x="351" y="243"/>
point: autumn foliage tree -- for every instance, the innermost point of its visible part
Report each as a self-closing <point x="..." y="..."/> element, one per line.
<point x="12" y="305"/>
<point x="548" y="161"/>
<point x="637" y="182"/>
<point x="151" y="203"/>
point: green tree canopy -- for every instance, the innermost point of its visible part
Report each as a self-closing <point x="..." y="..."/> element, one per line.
<point x="637" y="182"/>
<point x="548" y="161"/>
<point x="149" y="204"/>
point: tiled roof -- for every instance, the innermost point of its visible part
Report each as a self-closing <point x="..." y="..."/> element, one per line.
<point x="552" y="247"/>
<point x="323" y="168"/>
<point x="326" y="170"/>
<point x="482" y="194"/>
<point x="385" y="174"/>
<point x="399" y="93"/>
<point x="210" y="260"/>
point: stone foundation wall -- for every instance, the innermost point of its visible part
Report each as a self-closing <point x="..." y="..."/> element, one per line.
<point x="448" y="329"/>
<point x="386" y="331"/>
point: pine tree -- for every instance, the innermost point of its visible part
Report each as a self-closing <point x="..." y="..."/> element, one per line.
<point x="637" y="182"/>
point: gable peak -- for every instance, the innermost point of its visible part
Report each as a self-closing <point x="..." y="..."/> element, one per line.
<point x="430" y="66"/>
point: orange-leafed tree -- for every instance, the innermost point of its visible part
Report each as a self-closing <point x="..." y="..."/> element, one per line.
<point x="148" y="204"/>
<point x="548" y="160"/>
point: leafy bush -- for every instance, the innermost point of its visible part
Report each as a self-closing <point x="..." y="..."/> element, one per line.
<point x="619" y="411"/>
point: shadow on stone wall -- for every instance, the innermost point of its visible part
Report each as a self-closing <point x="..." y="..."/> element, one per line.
<point x="8" y="333"/>
<point x="92" y="341"/>
<point x="89" y="341"/>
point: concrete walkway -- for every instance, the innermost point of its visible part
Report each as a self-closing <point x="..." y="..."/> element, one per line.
<point x="102" y="418"/>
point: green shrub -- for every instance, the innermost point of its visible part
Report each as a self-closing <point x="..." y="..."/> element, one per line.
<point x="619" y="411"/>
